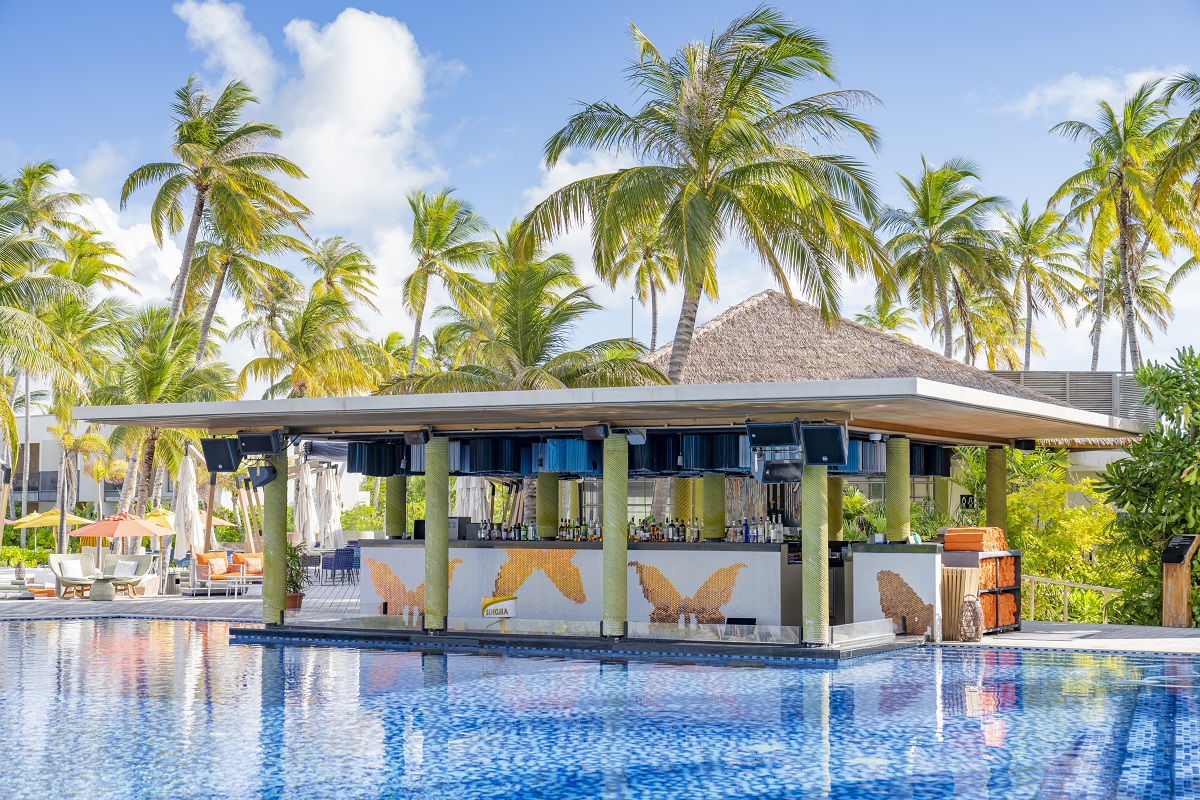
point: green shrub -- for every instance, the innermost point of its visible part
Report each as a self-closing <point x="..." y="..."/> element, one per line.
<point x="362" y="518"/>
<point x="11" y="556"/>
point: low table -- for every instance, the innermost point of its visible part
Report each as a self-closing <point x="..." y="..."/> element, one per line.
<point x="102" y="589"/>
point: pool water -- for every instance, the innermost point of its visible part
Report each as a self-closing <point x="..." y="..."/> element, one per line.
<point x="123" y="708"/>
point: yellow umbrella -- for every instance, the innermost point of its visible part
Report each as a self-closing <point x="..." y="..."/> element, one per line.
<point x="165" y="518"/>
<point x="49" y="519"/>
<point x="26" y="518"/>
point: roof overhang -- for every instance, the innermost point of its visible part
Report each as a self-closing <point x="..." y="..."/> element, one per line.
<point x="912" y="406"/>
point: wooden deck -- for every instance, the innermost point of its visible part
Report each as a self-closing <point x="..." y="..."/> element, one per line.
<point x="1077" y="636"/>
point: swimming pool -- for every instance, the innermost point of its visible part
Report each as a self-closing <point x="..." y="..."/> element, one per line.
<point x="123" y="708"/>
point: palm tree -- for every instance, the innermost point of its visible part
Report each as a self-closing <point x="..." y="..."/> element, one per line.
<point x="519" y="336"/>
<point x="723" y="153"/>
<point x="342" y="268"/>
<point x="86" y="259"/>
<point x="942" y="249"/>
<point x="1122" y="190"/>
<point x="1181" y="160"/>
<point x="33" y="217"/>
<point x="316" y="349"/>
<point x="646" y="256"/>
<point x="1151" y="299"/>
<point x="227" y="259"/>
<point x="993" y="332"/>
<point x="73" y="448"/>
<point x="887" y="315"/>
<point x="154" y="362"/>
<point x="1044" y="268"/>
<point x="444" y="241"/>
<point x="219" y="164"/>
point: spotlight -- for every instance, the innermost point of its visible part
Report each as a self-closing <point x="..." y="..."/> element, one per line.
<point x="261" y="475"/>
<point x="637" y="436"/>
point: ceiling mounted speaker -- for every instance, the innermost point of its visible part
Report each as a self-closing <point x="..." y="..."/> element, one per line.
<point x="595" y="433"/>
<point x="417" y="437"/>
<point x="266" y="443"/>
<point x="772" y="434"/>
<point x="221" y="455"/>
<point x="1025" y="445"/>
<point x="824" y="445"/>
<point x="260" y="476"/>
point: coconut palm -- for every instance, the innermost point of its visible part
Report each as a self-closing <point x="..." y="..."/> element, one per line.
<point x="1181" y="161"/>
<point x="519" y="336"/>
<point x="887" y="315"/>
<point x="316" y="349"/>
<point x="342" y="268"/>
<point x="73" y="449"/>
<point x="645" y="256"/>
<point x="88" y="260"/>
<point x="723" y="153"/>
<point x="1122" y="190"/>
<point x="1151" y="297"/>
<point x="220" y="166"/>
<point x="154" y="362"/>
<point x="445" y="241"/>
<point x="942" y="249"/>
<point x="994" y="334"/>
<point x="1044" y="266"/>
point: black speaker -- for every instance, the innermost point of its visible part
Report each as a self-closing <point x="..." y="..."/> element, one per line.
<point x="772" y="434"/>
<point x="824" y="444"/>
<point x="221" y="455"/>
<point x="780" y="472"/>
<point x="259" y="444"/>
<point x="261" y="475"/>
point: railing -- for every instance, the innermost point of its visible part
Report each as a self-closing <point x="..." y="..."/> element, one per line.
<point x="1106" y="593"/>
<point x="1115" y="393"/>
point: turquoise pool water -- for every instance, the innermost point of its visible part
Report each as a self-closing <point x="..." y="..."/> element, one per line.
<point x="123" y="708"/>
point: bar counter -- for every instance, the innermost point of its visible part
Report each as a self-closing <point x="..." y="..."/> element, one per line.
<point x="683" y="582"/>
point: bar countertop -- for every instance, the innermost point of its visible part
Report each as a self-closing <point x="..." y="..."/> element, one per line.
<point x="555" y="543"/>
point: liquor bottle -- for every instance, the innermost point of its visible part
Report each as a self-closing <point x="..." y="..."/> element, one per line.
<point x="745" y="530"/>
<point x="632" y="531"/>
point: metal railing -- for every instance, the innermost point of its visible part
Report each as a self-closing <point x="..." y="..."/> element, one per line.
<point x="1106" y="593"/>
<point x="1114" y="393"/>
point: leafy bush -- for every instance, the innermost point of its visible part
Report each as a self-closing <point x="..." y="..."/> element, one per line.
<point x="362" y="518"/>
<point x="11" y="556"/>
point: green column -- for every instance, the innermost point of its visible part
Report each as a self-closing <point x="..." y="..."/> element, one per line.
<point x="437" y="532"/>
<point x="275" y="541"/>
<point x="681" y="501"/>
<point x="835" y="490"/>
<point x="547" y="504"/>
<point x="395" y="523"/>
<point x="814" y="551"/>
<point x="898" y="501"/>
<point x="941" y="495"/>
<point x="615" y="544"/>
<point x="713" y="489"/>
<point x="996" y="487"/>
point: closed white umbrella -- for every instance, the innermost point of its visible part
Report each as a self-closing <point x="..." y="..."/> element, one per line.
<point x="306" y="510"/>
<point x="189" y="524"/>
<point x="329" y="508"/>
<point x="470" y="497"/>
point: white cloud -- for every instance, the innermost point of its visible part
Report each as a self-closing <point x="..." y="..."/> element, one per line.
<point x="1076" y="95"/>
<point x="224" y="33"/>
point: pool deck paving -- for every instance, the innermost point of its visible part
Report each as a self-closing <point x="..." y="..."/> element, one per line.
<point x="328" y="603"/>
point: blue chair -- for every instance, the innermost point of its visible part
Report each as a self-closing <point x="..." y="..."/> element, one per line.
<point x="343" y="562"/>
<point x="327" y="566"/>
<point x="357" y="551"/>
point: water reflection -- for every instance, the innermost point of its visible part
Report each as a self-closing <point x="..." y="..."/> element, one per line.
<point x="171" y="709"/>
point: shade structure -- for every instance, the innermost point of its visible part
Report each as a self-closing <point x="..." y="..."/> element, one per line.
<point x="166" y="519"/>
<point x="120" y="526"/>
<point x="329" y="508"/>
<point x="188" y="522"/>
<point x="306" y="510"/>
<point x="471" y="497"/>
<point x="48" y="519"/>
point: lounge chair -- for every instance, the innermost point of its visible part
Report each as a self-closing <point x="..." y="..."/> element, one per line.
<point x="76" y="580"/>
<point x="123" y="582"/>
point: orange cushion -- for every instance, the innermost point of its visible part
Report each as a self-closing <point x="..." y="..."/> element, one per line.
<point x="217" y="566"/>
<point x="253" y="566"/>
<point x="239" y="558"/>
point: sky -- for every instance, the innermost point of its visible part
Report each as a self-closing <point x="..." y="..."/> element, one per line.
<point x="378" y="98"/>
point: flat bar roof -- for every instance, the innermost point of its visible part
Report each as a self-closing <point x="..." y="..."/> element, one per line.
<point x="914" y="406"/>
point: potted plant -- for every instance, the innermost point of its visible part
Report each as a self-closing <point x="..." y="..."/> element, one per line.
<point x="296" y="576"/>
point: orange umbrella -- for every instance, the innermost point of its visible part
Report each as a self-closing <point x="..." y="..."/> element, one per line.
<point x="120" y="526"/>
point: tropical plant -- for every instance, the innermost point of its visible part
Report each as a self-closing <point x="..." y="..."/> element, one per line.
<point x="994" y="334"/>
<point x="88" y="260"/>
<point x="1181" y="161"/>
<point x="887" y="315"/>
<point x="942" y="250"/>
<point x="1151" y="300"/>
<point x="519" y="335"/>
<point x="315" y="349"/>
<point x="1044" y="266"/>
<point x="343" y="269"/>
<point x="445" y="241"/>
<point x="219" y="164"/>
<point x="645" y="256"/>
<point x="296" y="577"/>
<point x="1023" y="469"/>
<point x="1121" y="189"/>
<point x="723" y="153"/>
<point x="73" y="449"/>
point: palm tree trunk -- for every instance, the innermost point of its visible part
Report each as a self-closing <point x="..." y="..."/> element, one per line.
<point x="1135" y="353"/>
<point x="160" y="479"/>
<point x="947" y="328"/>
<point x="1101" y="301"/>
<point x="185" y="263"/>
<point x="25" y="461"/>
<point x="147" y="471"/>
<point x="210" y="312"/>
<point x="1028" y="324"/>
<point x="683" y="334"/>
<point x="61" y="497"/>
<point x="412" y="358"/>
<point x="653" y="318"/>
<point x="127" y="486"/>
<point x="1124" y="345"/>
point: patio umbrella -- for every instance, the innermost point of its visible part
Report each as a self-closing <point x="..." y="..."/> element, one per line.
<point x="306" y="511"/>
<point x="188" y="523"/>
<point x="120" y="526"/>
<point x="166" y="519"/>
<point x="470" y="497"/>
<point x="329" y="509"/>
<point x="48" y="519"/>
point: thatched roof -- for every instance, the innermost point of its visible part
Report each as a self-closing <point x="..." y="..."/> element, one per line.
<point x="766" y="339"/>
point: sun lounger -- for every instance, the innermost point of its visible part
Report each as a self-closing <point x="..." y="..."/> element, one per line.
<point x="75" y="579"/>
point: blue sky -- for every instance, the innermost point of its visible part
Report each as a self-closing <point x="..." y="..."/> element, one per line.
<point x="380" y="97"/>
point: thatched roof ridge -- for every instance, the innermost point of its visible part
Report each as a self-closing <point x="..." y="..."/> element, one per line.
<point x="765" y="339"/>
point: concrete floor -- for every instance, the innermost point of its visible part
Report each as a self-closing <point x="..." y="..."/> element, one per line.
<point x="1078" y="636"/>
